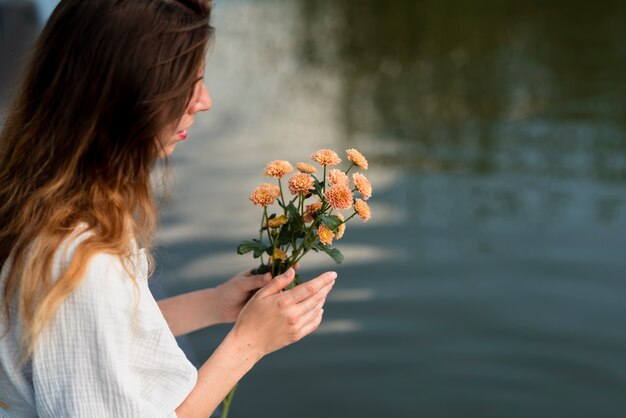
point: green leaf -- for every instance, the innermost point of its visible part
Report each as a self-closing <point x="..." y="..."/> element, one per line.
<point x="296" y="224"/>
<point x="334" y="253"/>
<point x="331" y="222"/>
<point x="284" y="239"/>
<point x="292" y="212"/>
<point x="254" y="245"/>
<point x="262" y="269"/>
<point x="319" y="188"/>
<point x="285" y="236"/>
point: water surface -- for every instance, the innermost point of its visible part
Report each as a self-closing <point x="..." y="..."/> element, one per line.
<point x="490" y="282"/>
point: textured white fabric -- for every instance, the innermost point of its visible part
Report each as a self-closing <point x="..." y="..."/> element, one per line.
<point x="99" y="357"/>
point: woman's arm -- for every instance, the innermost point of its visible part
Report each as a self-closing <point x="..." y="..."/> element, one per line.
<point x="196" y="310"/>
<point x="271" y="320"/>
<point x="191" y="311"/>
<point x="226" y="366"/>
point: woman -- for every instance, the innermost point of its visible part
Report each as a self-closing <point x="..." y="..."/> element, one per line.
<point x="112" y="86"/>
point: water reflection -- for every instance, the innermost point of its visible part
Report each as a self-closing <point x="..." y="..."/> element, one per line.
<point x="479" y="86"/>
<point x="496" y="132"/>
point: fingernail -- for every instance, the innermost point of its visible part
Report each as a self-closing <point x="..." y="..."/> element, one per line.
<point x="333" y="275"/>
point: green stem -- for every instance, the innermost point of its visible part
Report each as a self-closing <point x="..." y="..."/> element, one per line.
<point x="300" y="213"/>
<point x="349" y="168"/>
<point x="263" y="220"/>
<point x="227" y="401"/>
<point x="282" y="198"/>
<point x="350" y="217"/>
<point x="297" y="256"/>
<point x="269" y="232"/>
<point x="298" y="259"/>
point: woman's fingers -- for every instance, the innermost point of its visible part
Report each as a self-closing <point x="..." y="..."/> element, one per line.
<point x="308" y="314"/>
<point x="279" y="283"/>
<point x="305" y="317"/>
<point x="311" y="325"/>
<point x="314" y="301"/>
<point x="306" y="290"/>
<point x="257" y="281"/>
<point x="274" y="318"/>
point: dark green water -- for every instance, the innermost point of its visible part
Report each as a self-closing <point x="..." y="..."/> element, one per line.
<point x="490" y="282"/>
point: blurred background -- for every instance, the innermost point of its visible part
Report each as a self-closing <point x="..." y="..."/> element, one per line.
<point x="490" y="281"/>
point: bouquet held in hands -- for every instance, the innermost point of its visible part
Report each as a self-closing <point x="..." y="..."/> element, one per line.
<point x="309" y="217"/>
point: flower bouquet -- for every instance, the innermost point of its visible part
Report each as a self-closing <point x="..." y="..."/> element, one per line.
<point x="309" y="218"/>
<point x="298" y="226"/>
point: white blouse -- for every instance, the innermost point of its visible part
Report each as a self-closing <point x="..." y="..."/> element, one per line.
<point x="98" y="357"/>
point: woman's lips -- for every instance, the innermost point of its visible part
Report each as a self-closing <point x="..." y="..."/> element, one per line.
<point x="182" y="135"/>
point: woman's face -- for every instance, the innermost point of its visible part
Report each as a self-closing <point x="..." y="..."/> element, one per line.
<point x="200" y="101"/>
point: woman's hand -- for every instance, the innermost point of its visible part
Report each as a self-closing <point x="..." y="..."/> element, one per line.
<point x="232" y="295"/>
<point x="192" y="311"/>
<point x="202" y="308"/>
<point x="273" y="319"/>
<point x="270" y="320"/>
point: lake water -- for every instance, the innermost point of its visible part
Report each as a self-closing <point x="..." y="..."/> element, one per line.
<point x="490" y="281"/>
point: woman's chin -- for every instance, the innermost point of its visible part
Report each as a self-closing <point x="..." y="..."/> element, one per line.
<point x="167" y="150"/>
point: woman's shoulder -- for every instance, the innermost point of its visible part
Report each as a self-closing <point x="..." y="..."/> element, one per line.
<point x="100" y="259"/>
<point x="103" y="272"/>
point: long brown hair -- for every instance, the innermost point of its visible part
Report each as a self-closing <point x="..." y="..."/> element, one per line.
<point x="105" y="79"/>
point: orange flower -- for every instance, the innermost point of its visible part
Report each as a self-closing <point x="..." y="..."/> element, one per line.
<point x="325" y="235"/>
<point x="300" y="183"/>
<point x="279" y="255"/>
<point x="363" y="210"/>
<point x="276" y="222"/>
<point x="310" y="210"/>
<point x="342" y="227"/>
<point x="278" y="168"/>
<point x="306" y="168"/>
<point x="357" y="158"/>
<point x="339" y="197"/>
<point x="363" y="185"/>
<point x="337" y="177"/>
<point x="265" y="194"/>
<point x="326" y="157"/>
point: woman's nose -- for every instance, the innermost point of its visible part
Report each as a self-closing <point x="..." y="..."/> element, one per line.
<point x="204" y="101"/>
